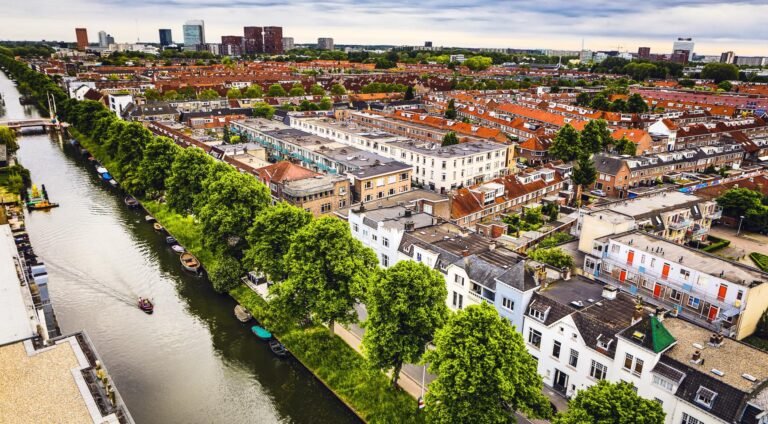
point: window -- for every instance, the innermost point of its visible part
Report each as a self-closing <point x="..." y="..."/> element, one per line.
<point x="685" y="274"/>
<point x="385" y="260"/>
<point x="418" y="256"/>
<point x="615" y="248"/>
<point x="374" y="237"/>
<point x="369" y="184"/>
<point x="663" y="383"/>
<point x="534" y="338"/>
<point x="507" y="304"/>
<point x="458" y="279"/>
<point x="403" y="176"/>
<point x="458" y="300"/>
<point x="342" y="191"/>
<point x="598" y="371"/>
<point x="556" y="349"/>
<point x="638" y="366"/>
<point x="628" y="362"/>
<point x="355" y="228"/>
<point x="573" y="360"/>
<point x="368" y="197"/>
<point x="326" y="207"/>
<point x="535" y="313"/>
<point x="675" y="295"/>
<point x="693" y="302"/>
<point x="740" y="294"/>
<point x="705" y="396"/>
<point x="687" y="419"/>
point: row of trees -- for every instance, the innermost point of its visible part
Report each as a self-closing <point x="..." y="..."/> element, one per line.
<point x="252" y="92"/>
<point x="599" y="101"/>
<point x="747" y="203"/>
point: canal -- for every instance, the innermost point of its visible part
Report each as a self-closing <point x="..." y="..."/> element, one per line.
<point x="189" y="362"/>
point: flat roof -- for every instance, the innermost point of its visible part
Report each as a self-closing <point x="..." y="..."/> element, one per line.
<point x="394" y="217"/>
<point x="659" y="202"/>
<point x="15" y="304"/>
<point x="733" y="358"/>
<point x="457" y="150"/>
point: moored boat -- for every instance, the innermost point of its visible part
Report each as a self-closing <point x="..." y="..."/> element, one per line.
<point x="178" y="248"/>
<point x="106" y="176"/>
<point x="42" y="205"/>
<point x="131" y="202"/>
<point x="242" y="314"/>
<point x="157" y="226"/>
<point x="149" y="218"/>
<point x="170" y="240"/>
<point x="261" y="332"/>
<point x="189" y="262"/>
<point x="101" y="170"/>
<point x="113" y="183"/>
<point x="278" y="348"/>
<point x="146" y="305"/>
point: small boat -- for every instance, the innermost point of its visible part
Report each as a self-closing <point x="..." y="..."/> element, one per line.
<point x="131" y="202"/>
<point x="106" y="176"/>
<point x="157" y="226"/>
<point x="146" y="305"/>
<point x="178" y="248"/>
<point x="189" y="262"/>
<point x="242" y="314"/>
<point x="278" y="348"/>
<point x="113" y="183"/>
<point x="101" y="170"/>
<point x="41" y="206"/>
<point x="170" y="240"/>
<point x="149" y="218"/>
<point x="261" y="332"/>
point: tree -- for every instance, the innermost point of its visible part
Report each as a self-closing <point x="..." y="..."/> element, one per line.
<point x="263" y="110"/>
<point x="338" y="90"/>
<point x="592" y="138"/>
<point x="615" y="403"/>
<point x="483" y="369"/>
<point x="737" y="201"/>
<point x="232" y="201"/>
<point x="725" y="85"/>
<point x="130" y="151"/>
<point x="297" y="90"/>
<point x="584" y="175"/>
<point x="152" y="95"/>
<point x="583" y="99"/>
<point x="327" y="270"/>
<point x="409" y="93"/>
<point x="449" y="139"/>
<point x="552" y="256"/>
<point x="636" y="104"/>
<point x="325" y="104"/>
<point x="626" y="147"/>
<point x="276" y="90"/>
<point x="618" y="105"/>
<point x="270" y="237"/>
<point x="687" y="83"/>
<point x="185" y="183"/>
<point x="225" y="273"/>
<point x="600" y="102"/>
<point x="208" y="95"/>
<point x="450" y="111"/>
<point x="478" y="63"/>
<point x="720" y="72"/>
<point x="406" y="305"/>
<point x="253" y="92"/>
<point x="317" y="90"/>
<point x="234" y="93"/>
<point x="170" y="95"/>
<point x="156" y="165"/>
<point x="8" y="139"/>
<point x="566" y="144"/>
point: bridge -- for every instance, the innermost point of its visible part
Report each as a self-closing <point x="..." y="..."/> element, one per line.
<point x="45" y="124"/>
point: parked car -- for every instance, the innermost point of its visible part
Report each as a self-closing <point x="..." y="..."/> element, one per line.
<point x="598" y="192"/>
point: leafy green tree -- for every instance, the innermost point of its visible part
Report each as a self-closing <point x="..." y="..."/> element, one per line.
<point x="406" y="305"/>
<point x="478" y="63"/>
<point x="409" y="93"/>
<point x="584" y="175"/>
<point x="484" y="371"/>
<point x="189" y="169"/>
<point x="618" y="105"/>
<point x="450" y="111"/>
<point x="317" y="90"/>
<point x="553" y="256"/>
<point x="737" y="201"/>
<point x="297" y="90"/>
<point x="253" y="92"/>
<point x="449" y="139"/>
<point x="208" y="95"/>
<point x="234" y="93"/>
<point x="152" y="95"/>
<point x="583" y="99"/>
<point x="554" y="240"/>
<point x="626" y="147"/>
<point x="171" y="95"/>
<point x="566" y="145"/>
<point x="615" y="403"/>
<point x="720" y="72"/>
<point x="327" y="271"/>
<point x="592" y="138"/>
<point x="636" y="104"/>
<point x="687" y="83"/>
<point x="156" y="165"/>
<point x="276" y="90"/>
<point x="232" y="201"/>
<point x="338" y="90"/>
<point x="225" y="273"/>
<point x="725" y="85"/>
<point x="270" y="237"/>
<point x="8" y="139"/>
<point x="600" y="102"/>
<point x="263" y="110"/>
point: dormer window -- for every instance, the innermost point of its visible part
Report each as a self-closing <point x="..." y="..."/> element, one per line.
<point x="537" y="314"/>
<point x="604" y="343"/>
<point x="705" y="397"/>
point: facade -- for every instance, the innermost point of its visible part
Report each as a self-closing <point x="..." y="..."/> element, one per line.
<point x="684" y="44"/>
<point x="715" y="293"/>
<point x="273" y="40"/>
<point x="380" y="181"/>
<point x="103" y="40"/>
<point x="82" y="38"/>
<point x="325" y="43"/>
<point x="166" y="38"/>
<point x="382" y="229"/>
<point x="253" y="40"/>
<point x="119" y="103"/>
<point x="287" y="44"/>
<point x="318" y="194"/>
<point x="727" y="57"/>
<point x="231" y="45"/>
<point x="194" y="35"/>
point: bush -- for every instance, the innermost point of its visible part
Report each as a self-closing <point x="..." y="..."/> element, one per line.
<point x="716" y="244"/>
<point x="760" y="260"/>
<point x="554" y="239"/>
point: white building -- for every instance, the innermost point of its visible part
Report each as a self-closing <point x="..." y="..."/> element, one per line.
<point x="119" y="102"/>
<point x="684" y="44"/>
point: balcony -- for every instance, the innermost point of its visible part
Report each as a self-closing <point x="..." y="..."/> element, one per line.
<point x="680" y="225"/>
<point x="698" y="231"/>
<point x="716" y="214"/>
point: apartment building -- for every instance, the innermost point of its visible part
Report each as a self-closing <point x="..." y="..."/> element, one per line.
<point x="380" y="181"/>
<point x="724" y="296"/>
<point x="382" y="229"/>
<point x="425" y="127"/>
<point x="314" y="192"/>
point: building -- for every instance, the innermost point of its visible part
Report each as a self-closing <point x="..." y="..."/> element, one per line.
<point x="287" y="44"/>
<point x="684" y="44"/>
<point x="724" y="296"/>
<point x="82" y="38"/>
<point x="380" y="180"/>
<point x="644" y="53"/>
<point x="103" y="39"/>
<point x="751" y="60"/>
<point x="166" y="38"/>
<point x="314" y="192"/>
<point x="325" y="43"/>
<point x="273" y="40"/>
<point x="118" y="103"/>
<point x="253" y="40"/>
<point x="727" y="57"/>
<point x="427" y="44"/>
<point x="148" y="112"/>
<point x="231" y="45"/>
<point x="194" y="35"/>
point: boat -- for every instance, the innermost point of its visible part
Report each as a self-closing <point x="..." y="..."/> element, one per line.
<point x="261" y="332"/>
<point x="146" y="305"/>
<point x="131" y="202"/>
<point x="113" y="183"/>
<point x="37" y="199"/>
<point x="106" y="176"/>
<point x="189" y="262"/>
<point x="101" y="170"/>
<point x="178" y="248"/>
<point x="149" y="218"/>
<point x="41" y="206"/>
<point x="157" y="226"/>
<point x="170" y="240"/>
<point x="242" y="314"/>
<point x="278" y="348"/>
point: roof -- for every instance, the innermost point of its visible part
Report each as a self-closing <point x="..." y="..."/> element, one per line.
<point x="285" y="171"/>
<point x="651" y="334"/>
<point x="15" y="299"/>
<point x="643" y="206"/>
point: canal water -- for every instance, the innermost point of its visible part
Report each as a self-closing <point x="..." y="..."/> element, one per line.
<point x="189" y="362"/>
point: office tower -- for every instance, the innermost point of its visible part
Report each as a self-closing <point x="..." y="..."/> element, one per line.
<point x="273" y="40"/>
<point x="82" y="38"/>
<point x="427" y="44"/>
<point x="253" y="40"/>
<point x="110" y="40"/>
<point x="166" y="39"/>
<point x="727" y="57"/>
<point x="287" y="44"/>
<point x="684" y="44"/>
<point x="644" y="52"/>
<point x="103" y="39"/>
<point x="194" y="34"/>
<point x="231" y="45"/>
<point x="325" y="43"/>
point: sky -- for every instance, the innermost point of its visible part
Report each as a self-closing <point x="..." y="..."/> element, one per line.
<point x="715" y="25"/>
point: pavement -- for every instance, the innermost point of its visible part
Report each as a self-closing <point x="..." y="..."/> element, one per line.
<point x="745" y="241"/>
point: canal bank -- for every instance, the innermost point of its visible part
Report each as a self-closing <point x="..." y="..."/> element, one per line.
<point x="191" y="361"/>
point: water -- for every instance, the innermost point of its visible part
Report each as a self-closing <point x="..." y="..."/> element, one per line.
<point x="189" y="362"/>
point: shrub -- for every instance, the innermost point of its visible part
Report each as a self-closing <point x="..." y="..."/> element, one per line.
<point x="716" y="244"/>
<point x="760" y="260"/>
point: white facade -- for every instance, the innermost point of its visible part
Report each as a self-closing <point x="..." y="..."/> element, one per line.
<point x="119" y="102"/>
<point x="684" y="44"/>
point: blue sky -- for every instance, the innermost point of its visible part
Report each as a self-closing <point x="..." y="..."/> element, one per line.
<point x="715" y="25"/>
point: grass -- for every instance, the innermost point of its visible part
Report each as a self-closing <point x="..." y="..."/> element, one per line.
<point x="183" y="228"/>
<point x="760" y="260"/>
<point x="366" y="391"/>
<point x="757" y="342"/>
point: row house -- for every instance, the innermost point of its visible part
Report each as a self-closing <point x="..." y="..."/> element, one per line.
<point x="709" y="134"/>
<point x="724" y="296"/>
<point x="421" y="126"/>
<point x="500" y="196"/>
<point x="534" y="151"/>
<point x="316" y="193"/>
<point x="740" y="102"/>
<point x="617" y="175"/>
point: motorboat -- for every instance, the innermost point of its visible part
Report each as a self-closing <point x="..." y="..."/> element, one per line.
<point x="261" y="332"/>
<point x="170" y="240"/>
<point x="106" y="176"/>
<point x="146" y="305"/>
<point x="131" y="202"/>
<point x="113" y="183"/>
<point x="189" y="262"/>
<point x="278" y="348"/>
<point x="242" y="314"/>
<point x="149" y="218"/>
<point x="101" y="170"/>
<point x="178" y="248"/>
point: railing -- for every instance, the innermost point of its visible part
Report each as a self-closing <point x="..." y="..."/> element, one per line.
<point x="717" y="214"/>
<point x="680" y="224"/>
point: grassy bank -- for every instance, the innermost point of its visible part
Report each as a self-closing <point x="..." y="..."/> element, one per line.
<point x="341" y="368"/>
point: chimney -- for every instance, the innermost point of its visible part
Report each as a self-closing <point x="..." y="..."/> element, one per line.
<point x="696" y="356"/>
<point x="609" y="292"/>
<point x="408" y="212"/>
<point x="492" y="246"/>
<point x="409" y="226"/>
<point x="637" y="315"/>
<point x="540" y="275"/>
<point x="465" y="254"/>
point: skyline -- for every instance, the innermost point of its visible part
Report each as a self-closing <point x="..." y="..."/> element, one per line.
<point x="525" y="24"/>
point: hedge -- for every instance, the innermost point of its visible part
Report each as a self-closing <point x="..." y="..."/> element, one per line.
<point x="760" y="260"/>
<point x="716" y="244"/>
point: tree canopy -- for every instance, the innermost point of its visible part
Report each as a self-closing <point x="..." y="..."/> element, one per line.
<point x="720" y="72"/>
<point x="552" y="256"/>
<point x="450" y="111"/>
<point x="615" y="403"/>
<point x="449" y="139"/>
<point x="276" y="90"/>
<point x="189" y="169"/>
<point x="156" y="165"/>
<point x="263" y="110"/>
<point x="566" y="144"/>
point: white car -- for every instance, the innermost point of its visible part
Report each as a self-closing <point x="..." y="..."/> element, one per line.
<point x="599" y="193"/>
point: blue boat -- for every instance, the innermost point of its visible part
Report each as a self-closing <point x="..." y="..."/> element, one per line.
<point x="106" y="177"/>
<point x="261" y="332"/>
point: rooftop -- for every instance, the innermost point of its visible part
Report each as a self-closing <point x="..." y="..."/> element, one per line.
<point x="641" y="206"/>
<point x="395" y="217"/>
<point x="458" y="150"/>
<point x="16" y="305"/>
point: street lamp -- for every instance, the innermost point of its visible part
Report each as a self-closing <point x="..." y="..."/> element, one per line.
<point x="424" y="375"/>
<point x="740" y="221"/>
